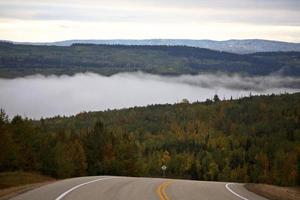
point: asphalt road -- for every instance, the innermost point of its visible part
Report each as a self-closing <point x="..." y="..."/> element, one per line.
<point x="126" y="188"/>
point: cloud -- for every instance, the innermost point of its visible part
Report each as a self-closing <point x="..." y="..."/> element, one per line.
<point x="254" y="12"/>
<point x="45" y="96"/>
<point x="123" y="19"/>
<point x="227" y="81"/>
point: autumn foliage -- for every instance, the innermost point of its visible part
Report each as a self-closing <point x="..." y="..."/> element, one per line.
<point x="253" y="139"/>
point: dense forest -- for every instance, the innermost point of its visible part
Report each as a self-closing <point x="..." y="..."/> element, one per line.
<point x="19" y="60"/>
<point x="252" y="139"/>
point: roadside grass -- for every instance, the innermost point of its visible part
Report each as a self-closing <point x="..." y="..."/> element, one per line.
<point x="15" y="183"/>
<point x="12" y="179"/>
<point x="273" y="192"/>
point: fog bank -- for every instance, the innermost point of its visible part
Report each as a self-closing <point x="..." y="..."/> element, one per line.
<point x="45" y="96"/>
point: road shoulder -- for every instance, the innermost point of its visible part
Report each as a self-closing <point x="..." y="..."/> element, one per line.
<point x="11" y="192"/>
<point x="274" y="192"/>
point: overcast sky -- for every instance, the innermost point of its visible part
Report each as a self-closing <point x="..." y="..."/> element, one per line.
<point x="54" y="20"/>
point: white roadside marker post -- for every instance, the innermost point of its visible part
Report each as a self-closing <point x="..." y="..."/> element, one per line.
<point x="164" y="168"/>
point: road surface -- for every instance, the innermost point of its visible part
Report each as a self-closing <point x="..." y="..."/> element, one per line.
<point x="127" y="188"/>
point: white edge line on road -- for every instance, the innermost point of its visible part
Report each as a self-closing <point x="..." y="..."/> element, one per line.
<point x="80" y="185"/>
<point x="233" y="192"/>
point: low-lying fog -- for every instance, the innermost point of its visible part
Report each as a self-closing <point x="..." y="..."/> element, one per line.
<point x="45" y="96"/>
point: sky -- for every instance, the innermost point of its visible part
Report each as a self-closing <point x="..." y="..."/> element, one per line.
<point x="56" y="20"/>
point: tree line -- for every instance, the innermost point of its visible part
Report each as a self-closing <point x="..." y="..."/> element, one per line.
<point x="252" y="139"/>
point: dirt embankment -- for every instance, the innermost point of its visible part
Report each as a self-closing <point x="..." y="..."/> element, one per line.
<point x="275" y="192"/>
<point x="14" y="183"/>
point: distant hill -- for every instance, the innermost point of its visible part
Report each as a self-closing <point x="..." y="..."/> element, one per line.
<point x="20" y="60"/>
<point x="234" y="46"/>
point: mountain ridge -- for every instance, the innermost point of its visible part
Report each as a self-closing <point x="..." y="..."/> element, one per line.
<point x="240" y="46"/>
<point x="19" y="60"/>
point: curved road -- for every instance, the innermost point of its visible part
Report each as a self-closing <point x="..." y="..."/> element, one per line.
<point x="126" y="188"/>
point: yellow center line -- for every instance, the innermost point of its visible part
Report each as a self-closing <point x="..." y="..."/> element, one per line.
<point x="161" y="190"/>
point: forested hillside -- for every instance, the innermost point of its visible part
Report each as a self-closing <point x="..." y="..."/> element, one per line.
<point x="253" y="139"/>
<point x="20" y="60"/>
